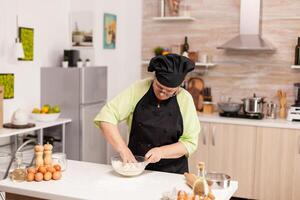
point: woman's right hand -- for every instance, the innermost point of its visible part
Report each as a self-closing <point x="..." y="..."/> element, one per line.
<point x="127" y="155"/>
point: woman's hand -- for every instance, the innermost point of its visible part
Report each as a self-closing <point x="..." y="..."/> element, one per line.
<point x="154" y="155"/>
<point x="127" y="155"/>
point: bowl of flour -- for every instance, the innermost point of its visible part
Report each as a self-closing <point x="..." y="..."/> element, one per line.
<point x="128" y="169"/>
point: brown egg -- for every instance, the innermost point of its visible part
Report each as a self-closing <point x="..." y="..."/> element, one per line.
<point x="30" y="177"/>
<point x="42" y="169"/>
<point x="38" y="148"/>
<point x="57" y="167"/>
<point x="51" y="169"/>
<point x="38" y="177"/>
<point x="31" y="170"/>
<point x="56" y="175"/>
<point x="47" y="176"/>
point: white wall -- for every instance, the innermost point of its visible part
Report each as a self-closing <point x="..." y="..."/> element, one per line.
<point x="49" y="20"/>
<point x="123" y="62"/>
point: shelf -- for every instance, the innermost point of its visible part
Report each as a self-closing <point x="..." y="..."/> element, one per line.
<point x="180" y="18"/>
<point x="146" y="62"/>
<point x="295" y="66"/>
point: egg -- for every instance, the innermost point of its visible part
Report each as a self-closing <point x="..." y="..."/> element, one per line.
<point x="57" y="167"/>
<point x="31" y="170"/>
<point x="38" y="177"/>
<point x="42" y="169"/>
<point x="51" y="169"/>
<point x="56" y="175"/>
<point x="30" y="177"/>
<point x="47" y="176"/>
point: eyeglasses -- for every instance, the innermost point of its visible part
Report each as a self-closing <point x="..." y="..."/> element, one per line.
<point x="166" y="92"/>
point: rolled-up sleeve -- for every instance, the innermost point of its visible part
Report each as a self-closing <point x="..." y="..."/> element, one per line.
<point x="118" y="109"/>
<point x="191" y="124"/>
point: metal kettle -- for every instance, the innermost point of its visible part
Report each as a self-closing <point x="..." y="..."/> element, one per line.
<point x="253" y="105"/>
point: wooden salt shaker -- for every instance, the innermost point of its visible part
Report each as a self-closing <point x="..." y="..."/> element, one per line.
<point x="39" y="155"/>
<point x="48" y="154"/>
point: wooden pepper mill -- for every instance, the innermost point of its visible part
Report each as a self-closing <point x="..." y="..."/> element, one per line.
<point x="282" y="104"/>
<point x="48" y="154"/>
<point x="39" y="155"/>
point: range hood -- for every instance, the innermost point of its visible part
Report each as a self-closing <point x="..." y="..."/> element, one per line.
<point x="250" y="37"/>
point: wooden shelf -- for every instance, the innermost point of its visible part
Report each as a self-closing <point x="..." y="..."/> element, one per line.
<point x="146" y="62"/>
<point x="295" y="66"/>
<point x="179" y="18"/>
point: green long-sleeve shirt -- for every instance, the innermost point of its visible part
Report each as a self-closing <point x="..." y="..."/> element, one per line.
<point x="122" y="107"/>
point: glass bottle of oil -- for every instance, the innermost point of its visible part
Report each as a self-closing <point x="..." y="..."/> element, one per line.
<point x="19" y="173"/>
<point x="201" y="186"/>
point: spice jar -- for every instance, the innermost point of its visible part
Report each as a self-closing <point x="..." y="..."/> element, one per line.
<point x="208" y="107"/>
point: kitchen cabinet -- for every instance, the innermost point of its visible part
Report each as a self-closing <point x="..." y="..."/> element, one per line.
<point x="296" y="177"/>
<point x="228" y="149"/>
<point x="277" y="167"/>
<point x="201" y="154"/>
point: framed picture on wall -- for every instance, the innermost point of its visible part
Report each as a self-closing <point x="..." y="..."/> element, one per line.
<point x="7" y="81"/>
<point x="26" y="36"/>
<point x="82" y="29"/>
<point x="109" y="31"/>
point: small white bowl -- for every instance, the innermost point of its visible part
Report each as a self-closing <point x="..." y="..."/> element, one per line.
<point x="45" y="117"/>
<point x="128" y="169"/>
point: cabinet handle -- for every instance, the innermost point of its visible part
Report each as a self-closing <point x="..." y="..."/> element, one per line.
<point x="213" y="142"/>
<point x="204" y="135"/>
<point x="298" y="144"/>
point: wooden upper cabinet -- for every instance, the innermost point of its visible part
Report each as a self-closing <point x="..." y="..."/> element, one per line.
<point x="232" y="151"/>
<point x="201" y="154"/>
<point x="276" y="165"/>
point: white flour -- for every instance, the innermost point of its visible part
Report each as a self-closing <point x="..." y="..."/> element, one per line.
<point x="128" y="169"/>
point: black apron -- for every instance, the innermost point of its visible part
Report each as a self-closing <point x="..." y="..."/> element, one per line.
<point x="155" y="125"/>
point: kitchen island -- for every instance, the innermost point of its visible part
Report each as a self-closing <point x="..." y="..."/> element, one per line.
<point x="83" y="180"/>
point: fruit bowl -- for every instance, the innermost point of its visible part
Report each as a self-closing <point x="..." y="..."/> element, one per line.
<point x="45" y="117"/>
<point x="128" y="169"/>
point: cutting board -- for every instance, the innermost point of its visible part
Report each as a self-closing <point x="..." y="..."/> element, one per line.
<point x="195" y="87"/>
<point x="1" y="105"/>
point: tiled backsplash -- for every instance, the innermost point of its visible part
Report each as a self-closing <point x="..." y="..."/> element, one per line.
<point x="238" y="73"/>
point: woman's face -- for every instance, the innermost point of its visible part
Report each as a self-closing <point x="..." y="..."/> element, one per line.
<point x="163" y="92"/>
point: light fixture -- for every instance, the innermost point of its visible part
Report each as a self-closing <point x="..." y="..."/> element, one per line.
<point x="18" y="45"/>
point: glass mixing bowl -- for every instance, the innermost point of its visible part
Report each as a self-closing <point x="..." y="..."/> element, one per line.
<point x="128" y="169"/>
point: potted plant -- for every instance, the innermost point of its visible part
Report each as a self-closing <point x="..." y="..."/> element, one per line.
<point x="65" y="62"/>
<point x="158" y="51"/>
<point x="79" y="63"/>
<point x="87" y="62"/>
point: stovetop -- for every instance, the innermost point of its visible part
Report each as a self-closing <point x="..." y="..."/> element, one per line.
<point x="241" y="115"/>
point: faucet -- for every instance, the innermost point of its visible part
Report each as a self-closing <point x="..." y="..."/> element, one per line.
<point x="14" y="155"/>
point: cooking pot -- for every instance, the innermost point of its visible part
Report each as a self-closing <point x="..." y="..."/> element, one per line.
<point x="253" y="105"/>
<point x="229" y="107"/>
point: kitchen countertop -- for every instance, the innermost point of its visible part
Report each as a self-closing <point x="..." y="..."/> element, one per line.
<point x="273" y="123"/>
<point x="83" y="180"/>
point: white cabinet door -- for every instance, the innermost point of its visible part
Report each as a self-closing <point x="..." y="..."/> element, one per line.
<point x="201" y="154"/>
<point x="92" y="141"/>
<point x="275" y="163"/>
<point x="232" y="151"/>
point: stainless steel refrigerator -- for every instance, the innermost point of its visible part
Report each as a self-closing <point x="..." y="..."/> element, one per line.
<point x="80" y="93"/>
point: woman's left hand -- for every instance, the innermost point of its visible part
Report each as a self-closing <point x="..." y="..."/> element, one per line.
<point x="154" y="155"/>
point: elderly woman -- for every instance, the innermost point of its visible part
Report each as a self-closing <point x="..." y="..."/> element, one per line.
<point x="161" y="116"/>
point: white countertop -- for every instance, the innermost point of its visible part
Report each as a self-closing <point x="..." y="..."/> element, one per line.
<point x="274" y="123"/>
<point x="84" y="180"/>
<point x="6" y="132"/>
